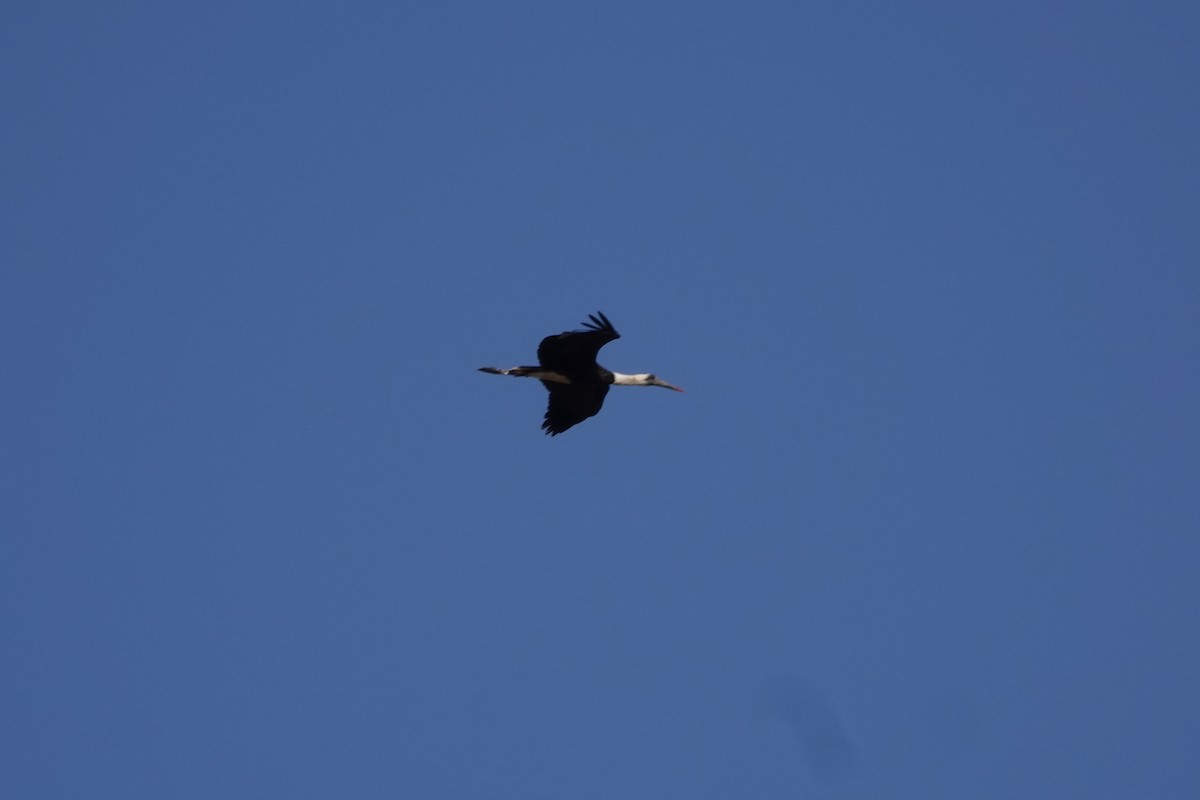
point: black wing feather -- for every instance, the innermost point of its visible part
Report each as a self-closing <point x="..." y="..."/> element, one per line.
<point x="570" y="404"/>
<point x="573" y="350"/>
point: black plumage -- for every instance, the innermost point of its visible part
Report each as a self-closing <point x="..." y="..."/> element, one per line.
<point x="572" y="354"/>
<point x="577" y="384"/>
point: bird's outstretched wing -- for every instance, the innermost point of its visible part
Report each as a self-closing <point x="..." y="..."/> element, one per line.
<point x="572" y="349"/>
<point x="570" y="404"/>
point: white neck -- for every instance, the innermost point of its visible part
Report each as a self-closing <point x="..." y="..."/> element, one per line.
<point x="642" y="379"/>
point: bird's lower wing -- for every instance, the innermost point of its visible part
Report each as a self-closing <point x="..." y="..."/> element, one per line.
<point x="571" y="404"/>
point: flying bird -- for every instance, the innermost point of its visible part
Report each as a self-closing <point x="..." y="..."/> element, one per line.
<point x="577" y="384"/>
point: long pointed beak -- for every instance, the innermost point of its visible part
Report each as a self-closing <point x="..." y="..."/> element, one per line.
<point x="665" y="385"/>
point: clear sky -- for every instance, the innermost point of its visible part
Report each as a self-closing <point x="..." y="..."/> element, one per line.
<point x="924" y="525"/>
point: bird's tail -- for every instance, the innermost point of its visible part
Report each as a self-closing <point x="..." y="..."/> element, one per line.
<point x="520" y="372"/>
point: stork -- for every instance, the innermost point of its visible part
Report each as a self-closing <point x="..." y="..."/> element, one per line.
<point x="577" y="384"/>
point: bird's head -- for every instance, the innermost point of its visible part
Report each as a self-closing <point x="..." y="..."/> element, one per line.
<point x="643" y="379"/>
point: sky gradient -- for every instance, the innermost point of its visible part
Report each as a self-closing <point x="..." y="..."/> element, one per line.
<point x="924" y="524"/>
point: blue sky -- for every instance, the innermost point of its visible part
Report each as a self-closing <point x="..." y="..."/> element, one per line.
<point x="924" y="524"/>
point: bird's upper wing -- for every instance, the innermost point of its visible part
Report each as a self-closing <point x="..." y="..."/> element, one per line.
<point x="572" y="348"/>
<point x="570" y="404"/>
